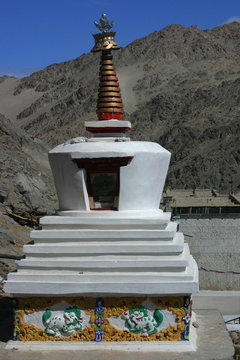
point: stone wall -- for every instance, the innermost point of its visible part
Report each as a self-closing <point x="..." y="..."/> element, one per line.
<point x="215" y="244"/>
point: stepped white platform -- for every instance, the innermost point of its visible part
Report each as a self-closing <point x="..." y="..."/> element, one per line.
<point x="125" y="255"/>
<point x="110" y="256"/>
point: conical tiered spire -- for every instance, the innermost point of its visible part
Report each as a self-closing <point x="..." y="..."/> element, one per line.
<point x="109" y="103"/>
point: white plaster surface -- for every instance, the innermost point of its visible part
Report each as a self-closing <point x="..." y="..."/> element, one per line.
<point x="108" y="124"/>
<point x="147" y="214"/>
<point x="136" y="249"/>
<point x="92" y="260"/>
<point x="109" y="137"/>
<point x="215" y="244"/>
<point x="141" y="182"/>
<point x="166" y="234"/>
<point x="120" y="247"/>
<point x="36" y="288"/>
<point x="143" y="347"/>
<point x="111" y="220"/>
<point x="70" y="182"/>
<point x="226" y="302"/>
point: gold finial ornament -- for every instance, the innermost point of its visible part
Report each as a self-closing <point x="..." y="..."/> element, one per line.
<point x="109" y="105"/>
<point x="104" y="40"/>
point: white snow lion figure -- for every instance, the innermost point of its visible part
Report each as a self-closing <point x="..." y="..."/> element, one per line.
<point x="140" y="321"/>
<point x="62" y="324"/>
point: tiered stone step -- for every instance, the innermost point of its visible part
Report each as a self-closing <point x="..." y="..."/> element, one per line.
<point x="53" y="236"/>
<point x="108" y="262"/>
<point x="106" y="220"/>
<point x="91" y="283"/>
<point x="103" y="247"/>
<point x="87" y="276"/>
<point x="74" y="256"/>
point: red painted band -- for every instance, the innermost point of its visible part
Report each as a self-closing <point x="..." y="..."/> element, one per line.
<point x="110" y="116"/>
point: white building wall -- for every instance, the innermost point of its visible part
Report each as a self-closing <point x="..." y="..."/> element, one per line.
<point x="215" y="244"/>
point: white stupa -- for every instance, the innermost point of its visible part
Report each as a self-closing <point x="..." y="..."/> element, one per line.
<point x="109" y="237"/>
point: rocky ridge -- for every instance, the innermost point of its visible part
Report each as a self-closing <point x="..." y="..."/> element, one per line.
<point x="26" y="190"/>
<point x="180" y="87"/>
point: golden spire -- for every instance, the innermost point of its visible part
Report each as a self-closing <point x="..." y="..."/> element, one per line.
<point x="109" y="104"/>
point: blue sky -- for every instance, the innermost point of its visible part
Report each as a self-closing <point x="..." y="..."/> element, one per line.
<point x="36" y="33"/>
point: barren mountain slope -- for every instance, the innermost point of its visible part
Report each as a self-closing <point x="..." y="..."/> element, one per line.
<point x="26" y="190"/>
<point x="26" y="185"/>
<point x="180" y="86"/>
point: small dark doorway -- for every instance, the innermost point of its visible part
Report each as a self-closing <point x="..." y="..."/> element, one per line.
<point x="103" y="190"/>
<point x="103" y="181"/>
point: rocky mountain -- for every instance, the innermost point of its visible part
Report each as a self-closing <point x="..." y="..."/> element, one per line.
<point x="26" y="186"/>
<point x="180" y="87"/>
<point x="26" y="190"/>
